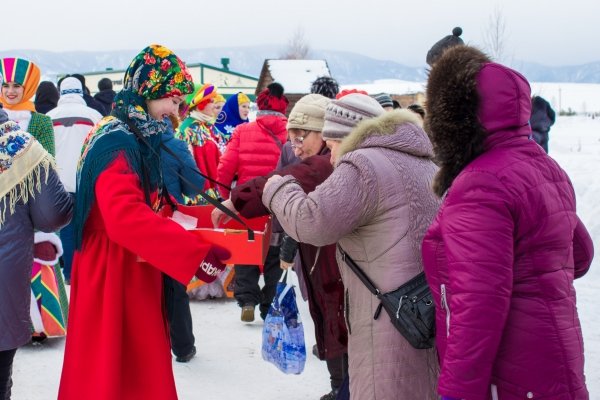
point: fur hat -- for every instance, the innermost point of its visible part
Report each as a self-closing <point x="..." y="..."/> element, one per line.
<point x="308" y="113"/>
<point x="445" y="43"/>
<point x="71" y="85"/>
<point x="341" y="116"/>
<point x="326" y="86"/>
<point x="384" y="99"/>
<point x="105" y="84"/>
<point x="272" y="99"/>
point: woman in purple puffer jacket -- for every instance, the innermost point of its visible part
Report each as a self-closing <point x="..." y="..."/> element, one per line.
<point x="506" y="245"/>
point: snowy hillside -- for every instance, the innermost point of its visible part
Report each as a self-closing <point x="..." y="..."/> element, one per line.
<point x="229" y="365"/>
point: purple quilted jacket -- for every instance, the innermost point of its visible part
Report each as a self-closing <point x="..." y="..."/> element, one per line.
<point x="501" y="257"/>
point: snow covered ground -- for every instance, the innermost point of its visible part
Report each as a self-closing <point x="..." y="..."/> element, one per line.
<point x="229" y="364"/>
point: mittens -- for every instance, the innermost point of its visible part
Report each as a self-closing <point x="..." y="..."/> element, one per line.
<point x="212" y="265"/>
<point x="44" y="251"/>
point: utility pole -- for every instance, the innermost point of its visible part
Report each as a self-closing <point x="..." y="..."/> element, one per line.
<point x="559" y="100"/>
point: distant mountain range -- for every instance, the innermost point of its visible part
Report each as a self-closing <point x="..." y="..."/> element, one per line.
<point x="346" y="67"/>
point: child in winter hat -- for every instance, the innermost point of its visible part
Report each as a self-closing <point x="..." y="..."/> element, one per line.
<point x="342" y="115"/>
<point x="385" y="100"/>
<point x="442" y="45"/>
<point x="326" y="86"/>
<point x="272" y="99"/>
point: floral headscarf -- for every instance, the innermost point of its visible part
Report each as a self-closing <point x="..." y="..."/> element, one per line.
<point x="26" y="74"/>
<point x="21" y="161"/>
<point x="155" y="73"/>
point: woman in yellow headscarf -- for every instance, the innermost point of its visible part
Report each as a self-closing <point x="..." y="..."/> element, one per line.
<point x="20" y="82"/>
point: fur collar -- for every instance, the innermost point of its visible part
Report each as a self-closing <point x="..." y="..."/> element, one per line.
<point x="452" y="113"/>
<point x="385" y="126"/>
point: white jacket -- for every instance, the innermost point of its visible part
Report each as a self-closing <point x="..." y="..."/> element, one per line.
<point x="72" y="121"/>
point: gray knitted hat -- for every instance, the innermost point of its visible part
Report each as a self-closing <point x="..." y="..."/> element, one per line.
<point x="384" y="99"/>
<point x="342" y="115"/>
<point x="308" y="113"/>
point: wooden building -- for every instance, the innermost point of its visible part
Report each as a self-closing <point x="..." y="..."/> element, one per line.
<point x="296" y="76"/>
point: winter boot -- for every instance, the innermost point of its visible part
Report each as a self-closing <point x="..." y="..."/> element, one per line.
<point x="331" y="395"/>
<point x="248" y="313"/>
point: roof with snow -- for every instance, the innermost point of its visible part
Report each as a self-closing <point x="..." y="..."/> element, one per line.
<point x="295" y="76"/>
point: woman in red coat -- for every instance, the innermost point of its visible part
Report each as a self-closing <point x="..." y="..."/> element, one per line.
<point x="118" y="342"/>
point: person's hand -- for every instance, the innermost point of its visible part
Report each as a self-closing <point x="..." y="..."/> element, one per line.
<point x="285" y="265"/>
<point x="213" y="264"/>
<point x="272" y="180"/>
<point x="44" y="251"/>
<point x="218" y="217"/>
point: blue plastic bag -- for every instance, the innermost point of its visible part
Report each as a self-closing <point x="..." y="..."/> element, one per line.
<point x="283" y="333"/>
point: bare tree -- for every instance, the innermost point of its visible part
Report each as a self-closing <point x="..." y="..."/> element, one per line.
<point x="297" y="47"/>
<point x="495" y="35"/>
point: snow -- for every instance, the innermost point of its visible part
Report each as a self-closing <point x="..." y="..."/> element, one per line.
<point x="579" y="97"/>
<point x="296" y="76"/>
<point x="229" y="364"/>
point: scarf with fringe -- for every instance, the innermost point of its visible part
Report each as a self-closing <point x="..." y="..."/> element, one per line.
<point x="21" y="161"/>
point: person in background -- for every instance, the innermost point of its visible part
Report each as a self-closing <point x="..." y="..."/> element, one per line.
<point x="20" y="82"/>
<point x="181" y="177"/>
<point x="542" y="118"/>
<point x="89" y="100"/>
<point x="444" y="44"/>
<point x="382" y="173"/>
<point x="416" y="108"/>
<point x="503" y="251"/>
<point x="207" y="143"/>
<point x="46" y="97"/>
<point x="234" y="113"/>
<point x="325" y="86"/>
<point x="385" y="101"/>
<point x="106" y="95"/>
<point x="219" y="104"/>
<point x="72" y="121"/>
<point x="31" y="198"/>
<point x="123" y="248"/>
<point x="254" y="150"/>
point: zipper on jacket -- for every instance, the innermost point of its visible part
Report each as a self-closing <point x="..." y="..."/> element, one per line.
<point x="446" y="307"/>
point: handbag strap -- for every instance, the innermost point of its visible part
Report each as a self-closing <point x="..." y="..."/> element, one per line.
<point x="200" y="191"/>
<point x="270" y="132"/>
<point x="359" y="272"/>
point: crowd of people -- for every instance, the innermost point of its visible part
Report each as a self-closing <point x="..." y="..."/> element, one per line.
<point x="458" y="188"/>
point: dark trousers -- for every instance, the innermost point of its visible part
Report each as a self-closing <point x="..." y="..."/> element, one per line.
<point x="6" y="362"/>
<point x="247" y="290"/>
<point x="179" y="316"/>
<point x="67" y="237"/>
<point x="338" y="369"/>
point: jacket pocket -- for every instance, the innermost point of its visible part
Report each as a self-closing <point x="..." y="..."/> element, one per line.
<point x="446" y="307"/>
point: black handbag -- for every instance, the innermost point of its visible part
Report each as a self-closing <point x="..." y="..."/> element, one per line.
<point x="410" y="307"/>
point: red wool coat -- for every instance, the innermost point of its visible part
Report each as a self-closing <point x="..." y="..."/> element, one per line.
<point x="118" y="342"/>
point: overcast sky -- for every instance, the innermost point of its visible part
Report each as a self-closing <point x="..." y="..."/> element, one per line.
<point x="549" y="32"/>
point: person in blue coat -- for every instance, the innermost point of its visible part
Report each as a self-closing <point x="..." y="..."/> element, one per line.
<point x="31" y="198"/>
<point x="176" y="299"/>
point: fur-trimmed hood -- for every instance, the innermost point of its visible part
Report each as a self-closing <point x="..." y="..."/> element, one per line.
<point x="399" y="130"/>
<point x="472" y="103"/>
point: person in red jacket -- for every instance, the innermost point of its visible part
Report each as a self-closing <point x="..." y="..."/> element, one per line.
<point x="253" y="151"/>
<point x="118" y="341"/>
